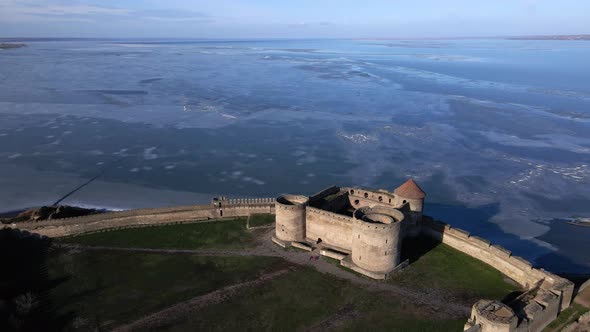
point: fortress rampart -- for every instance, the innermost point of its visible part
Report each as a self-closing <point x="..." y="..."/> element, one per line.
<point x="333" y="229"/>
<point x="146" y="217"/>
<point x="552" y="295"/>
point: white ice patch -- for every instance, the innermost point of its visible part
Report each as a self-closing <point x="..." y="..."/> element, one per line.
<point x="228" y="116"/>
<point x="358" y="138"/>
<point x="16" y="155"/>
<point x="148" y="153"/>
<point x="169" y="167"/>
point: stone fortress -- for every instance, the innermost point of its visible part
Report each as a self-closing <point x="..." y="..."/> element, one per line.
<point x="363" y="229"/>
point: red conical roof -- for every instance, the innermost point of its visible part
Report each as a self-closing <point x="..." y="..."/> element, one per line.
<point x="410" y="189"/>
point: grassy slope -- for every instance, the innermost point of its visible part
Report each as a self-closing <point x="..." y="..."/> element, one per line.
<point x="117" y="287"/>
<point x="305" y="297"/>
<point x="444" y="268"/>
<point x="289" y="302"/>
<point x="223" y="234"/>
<point x="261" y="219"/>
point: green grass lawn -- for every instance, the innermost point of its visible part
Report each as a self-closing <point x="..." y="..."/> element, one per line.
<point x="440" y="267"/>
<point x="109" y="288"/>
<point x="260" y="219"/>
<point x="223" y="234"/>
<point x="305" y="297"/>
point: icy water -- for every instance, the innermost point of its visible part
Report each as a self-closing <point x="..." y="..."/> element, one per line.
<point x="497" y="132"/>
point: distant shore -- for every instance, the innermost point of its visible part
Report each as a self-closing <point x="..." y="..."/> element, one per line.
<point x="11" y="45"/>
<point x="556" y="37"/>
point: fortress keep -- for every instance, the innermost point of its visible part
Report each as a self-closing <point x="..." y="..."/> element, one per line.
<point x="365" y="226"/>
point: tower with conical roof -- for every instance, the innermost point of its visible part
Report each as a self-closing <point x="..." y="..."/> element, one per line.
<point x="411" y="194"/>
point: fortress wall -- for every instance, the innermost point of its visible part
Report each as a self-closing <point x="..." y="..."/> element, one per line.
<point x="334" y="229"/>
<point x="290" y="221"/>
<point x="375" y="246"/>
<point x="135" y="218"/>
<point x="500" y="258"/>
<point x="549" y="305"/>
<point x="372" y="199"/>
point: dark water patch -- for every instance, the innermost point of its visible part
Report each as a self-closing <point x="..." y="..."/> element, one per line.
<point x="473" y="183"/>
<point x="120" y="92"/>
<point x="574" y="203"/>
<point x="573" y="244"/>
<point x="438" y="189"/>
<point x="150" y="80"/>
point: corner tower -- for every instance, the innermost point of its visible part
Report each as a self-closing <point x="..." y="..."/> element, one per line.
<point x="410" y="193"/>
<point x="290" y="217"/>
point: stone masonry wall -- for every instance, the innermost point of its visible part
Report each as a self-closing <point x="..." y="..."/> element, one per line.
<point x="134" y="218"/>
<point x="501" y="259"/>
<point x="334" y="229"/>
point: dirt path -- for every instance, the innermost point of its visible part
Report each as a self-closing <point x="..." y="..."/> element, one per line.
<point x="340" y="317"/>
<point x="181" y="311"/>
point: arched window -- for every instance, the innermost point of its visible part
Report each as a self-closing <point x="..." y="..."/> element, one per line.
<point x="356" y="202"/>
<point x="390" y="200"/>
<point x="380" y="199"/>
<point x="366" y="195"/>
<point x="405" y="201"/>
<point x="352" y="191"/>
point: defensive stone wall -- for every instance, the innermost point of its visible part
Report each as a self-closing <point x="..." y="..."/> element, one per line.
<point x="362" y="197"/>
<point x="376" y="238"/>
<point x="141" y="217"/>
<point x="498" y="257"/>
<point x="290" y="220"/>
<point x="553" y="296"/>
<point x="334" y="229"/>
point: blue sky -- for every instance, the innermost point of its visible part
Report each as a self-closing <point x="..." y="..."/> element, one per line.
<point x="291" y="18"/>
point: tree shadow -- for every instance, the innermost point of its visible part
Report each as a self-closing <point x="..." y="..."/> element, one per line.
<point x="25" y="285"/>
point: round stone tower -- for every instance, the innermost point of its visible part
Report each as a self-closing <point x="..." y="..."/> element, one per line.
<point x="493" y="316"/>
<point x="290" y="217"/>
<point x="376" y="238"/>
<point x="410" y="193"/>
